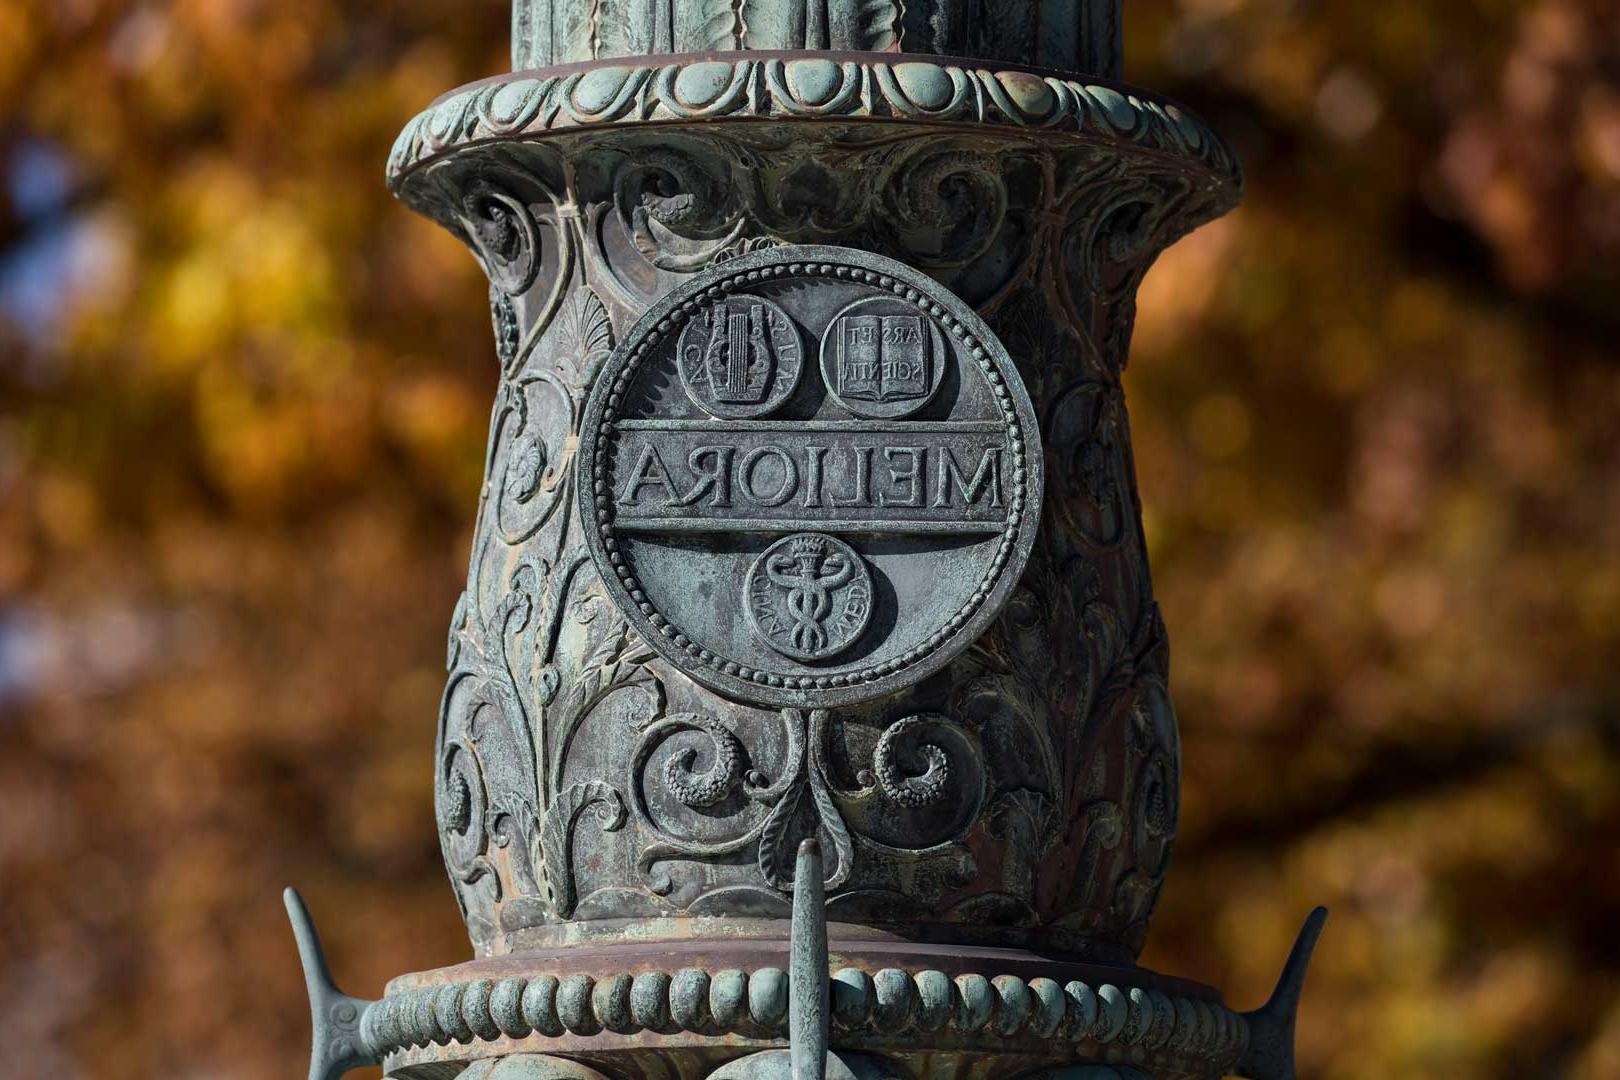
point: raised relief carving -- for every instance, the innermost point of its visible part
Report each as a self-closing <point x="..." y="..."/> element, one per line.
<point x="809" y="596"/>
<point x="725" y="596"/>
<point x="882" y="358"/>
<point x="913" y="804"/>
<point x="894" y="534"/>
<point x="502" y="231"/>
<point x="1026" y="793"/>
<point x="741" y="358"/>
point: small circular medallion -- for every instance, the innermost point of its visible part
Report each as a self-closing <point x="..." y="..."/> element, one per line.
<point x="882" y="357"/>
<point x="740" y="357"/>
<point x="809" y="596"/>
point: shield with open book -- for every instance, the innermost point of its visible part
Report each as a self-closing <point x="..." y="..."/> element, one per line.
<point x="881" y="359"/>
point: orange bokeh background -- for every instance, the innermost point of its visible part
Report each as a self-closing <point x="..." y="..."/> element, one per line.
<point x="1377" y="411"/>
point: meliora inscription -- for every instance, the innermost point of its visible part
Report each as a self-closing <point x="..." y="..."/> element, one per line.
<point x="809" y="535"/>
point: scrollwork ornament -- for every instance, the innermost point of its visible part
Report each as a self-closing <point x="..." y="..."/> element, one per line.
<point x="809" y="197"/>
<point x="461" y="802"/>
<point x="502" y="231"/>
<point x="702" y="790"/>
<point x="460" y="805"/>
<point x="1114" y="233"/>
<point x="1155" y="797"/>
<point x="1156" y="794"/>
<point x="925" y="768"/>
<point x="678" y="207"/>
<point x="796" y="805"/>
<point x="1120" y="235"/>
<point x="945" y="204"/>
<point x="542" y="415"/>
<point x="900" y="746"/>
<point x="537" y="425"/>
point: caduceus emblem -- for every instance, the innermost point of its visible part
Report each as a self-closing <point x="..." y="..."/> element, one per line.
<point x="809" y="573"/>
<point x="809" y="596"/>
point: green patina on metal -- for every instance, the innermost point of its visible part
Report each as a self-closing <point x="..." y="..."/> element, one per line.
<point x="808" y="710"/>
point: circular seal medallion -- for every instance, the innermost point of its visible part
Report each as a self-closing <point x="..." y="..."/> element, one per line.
<point x="740" y="358"/>
<point x="882" y="358"/>
<point x="809" y="541"/>
<point x="809" y="596"/>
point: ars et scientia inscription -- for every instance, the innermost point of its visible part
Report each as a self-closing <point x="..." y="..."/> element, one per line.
<point x="813" y="476"/>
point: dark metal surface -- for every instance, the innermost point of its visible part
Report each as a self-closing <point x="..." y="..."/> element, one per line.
<point x="336" y="1045"/>
<point x="870" y="518"/>
<point x="1076" y="35"/>
<point x="1021" y="791"/>
<point x="1271" y="1027"/>
<point x="809" y="576"/>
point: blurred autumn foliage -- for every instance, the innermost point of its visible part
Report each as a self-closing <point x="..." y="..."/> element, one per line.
<point x="1377" y="413"/>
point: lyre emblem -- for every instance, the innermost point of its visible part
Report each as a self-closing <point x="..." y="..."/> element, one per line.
<point x="740" y="358"/>
<point x="738" y="362"/>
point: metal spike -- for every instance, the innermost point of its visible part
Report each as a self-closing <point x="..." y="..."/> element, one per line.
<point x="1270" y="1055"/>
<point x="336" y="1043"/>
<point x="809" y="992"/>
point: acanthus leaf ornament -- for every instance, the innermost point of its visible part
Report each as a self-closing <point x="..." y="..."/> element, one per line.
<point x="556" y="841"/>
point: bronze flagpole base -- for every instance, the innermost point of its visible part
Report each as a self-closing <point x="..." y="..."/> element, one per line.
<point x="808" y="705"/>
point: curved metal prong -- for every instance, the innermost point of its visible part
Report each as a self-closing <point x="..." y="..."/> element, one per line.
<point x="336" y="1044"/>
<point x="1270" y="1055"/>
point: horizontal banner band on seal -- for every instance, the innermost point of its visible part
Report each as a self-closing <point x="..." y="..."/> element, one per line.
<point x="812" y="427"/>
<point x="790" y="525"/>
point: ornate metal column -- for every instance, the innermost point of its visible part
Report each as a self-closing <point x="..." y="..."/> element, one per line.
<point x="809" y="531"/>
